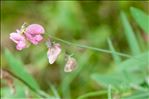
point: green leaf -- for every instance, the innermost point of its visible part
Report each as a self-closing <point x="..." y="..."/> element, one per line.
<point x="132" y="41"/>
<point x="138" y="62"/>
<point x="138" y="95"/>
<point x="121" y="80"/>
<point x="18" y="69"/>
<point x="108" y="79"/>
<point x="141" y="18"/>
<point x="129" y="73"/>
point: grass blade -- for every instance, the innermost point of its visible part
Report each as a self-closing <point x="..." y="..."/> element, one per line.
<point x="91" y="94"/>
<point x="16" y="67"/>
<point x="141" y="18"/>
<point x="109" y="92"/>
<point x="138" y="95"/>
<point x="130" y="35"/>
<point x="55" y="92"/>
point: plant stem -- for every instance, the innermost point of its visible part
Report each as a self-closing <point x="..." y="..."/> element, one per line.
<point x="89" y="47"/>
<point x="109" y="92"/>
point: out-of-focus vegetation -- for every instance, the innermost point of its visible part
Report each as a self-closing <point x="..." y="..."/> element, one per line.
<point x="117" y="26"/>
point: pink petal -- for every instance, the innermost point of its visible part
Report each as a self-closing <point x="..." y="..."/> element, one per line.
<point x="19" y="40"/>
<point x="33" y="33"/>
<point x="35" y="29"/>
<point x="21" y="45"/>
<point x="16" y="37"/>
<point x="38" y="38"/>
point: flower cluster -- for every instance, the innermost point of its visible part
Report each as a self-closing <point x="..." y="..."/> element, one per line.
<point x="29" y="34"/>
<point x="33" y="34"/>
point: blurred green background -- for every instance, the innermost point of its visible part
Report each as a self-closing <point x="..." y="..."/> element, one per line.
<point x="84" y="22"/>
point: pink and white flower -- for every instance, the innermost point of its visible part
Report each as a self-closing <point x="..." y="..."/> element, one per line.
<point x="70" y="64"/>
<point x="19" y="39"/>
<point x="53" y="52"/>
<point x="34" y="33"/>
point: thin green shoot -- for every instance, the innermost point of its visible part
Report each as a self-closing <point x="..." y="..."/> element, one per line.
<point x="109" y="92"/>
<point x="91" y="94"/>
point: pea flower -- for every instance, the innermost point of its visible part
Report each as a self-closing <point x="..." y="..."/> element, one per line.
<point x="70" y="64"/>
<point x="19" y="39"/>
<point x="53" y="52"/>
<point x="34" y="33"/>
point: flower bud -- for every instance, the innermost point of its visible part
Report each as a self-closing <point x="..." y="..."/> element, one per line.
<point x="53" y="52"/>
<point x="70" y="64"/>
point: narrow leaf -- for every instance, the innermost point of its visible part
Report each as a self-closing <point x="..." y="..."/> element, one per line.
<point x="54" y="90"/>
<point x="138" y="95"/>
<point x="18" y="69"/>
<point x="132" y="41"/>
<point x="141" y="18"/>
<point x="92" y="94"/>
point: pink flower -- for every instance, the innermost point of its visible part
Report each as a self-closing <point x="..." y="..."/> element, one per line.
<point x="34" y="33"/>
<point x="70" y="64"/>
<point x="53" y="52"/>
<point x="18" y="39"/>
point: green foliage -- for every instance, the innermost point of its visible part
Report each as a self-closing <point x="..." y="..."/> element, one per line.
<point x="67" y="79"/>
<point x="18" y="69"/>
<point x="130" y="35"/>
<point x="6" y="92"/>
<point x="129" y="73"/>
<point x="109" y="92"/>
<point x="141" y="18"/>
<point x="90" y="94"/>
<point x="138" y="95"/>
<point x="55" y="92"/>
<point x="119" y="80"/>
<point x="137" y="63"/>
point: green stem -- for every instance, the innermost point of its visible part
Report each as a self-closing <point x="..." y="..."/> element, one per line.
<point x="97" y="93"/>
<point x="109" y="92"/>
<point x="89" y="47"/>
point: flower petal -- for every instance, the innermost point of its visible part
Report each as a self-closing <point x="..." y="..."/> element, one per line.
<point x="35" y="29"/>
<point x="34" y="33"/>
<point x="21" y="45"/>
<point x="19" y="40"/>
<point x="16" y="37"/>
